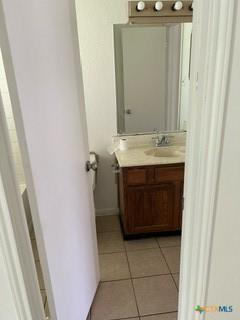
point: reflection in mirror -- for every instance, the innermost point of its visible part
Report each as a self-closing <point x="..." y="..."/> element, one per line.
<point x="152" y="76"/>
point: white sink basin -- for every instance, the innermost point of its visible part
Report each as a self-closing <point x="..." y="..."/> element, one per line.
<point x="165" y="152"/>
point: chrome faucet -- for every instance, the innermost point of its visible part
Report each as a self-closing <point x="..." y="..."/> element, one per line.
<point x="161" y="141"/>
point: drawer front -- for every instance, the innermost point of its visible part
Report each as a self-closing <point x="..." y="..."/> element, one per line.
<point x="136" y="177"/>
<point x="169" y="174"/>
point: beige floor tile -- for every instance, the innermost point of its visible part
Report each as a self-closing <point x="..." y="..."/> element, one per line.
<point x="141" y="244"/>
<point x="165" y="316"/>
<point x="32" y="232"/>
<point x="109" y="242"/>
<point x="171" y="241"/>
<point x="114" y="266"/>
<point x="114" y="300"/>
<point x="147" y="263"/>
<point x="40" y="276"/>
<point x="172" y="256"/>
<point x="108" y="223"/>
<point x="156" y="294"/>
<point x="176" y="279"/>
<point x="44" y="296"/>
<point x="46" y="309"/>
<point x="35" y="249"/>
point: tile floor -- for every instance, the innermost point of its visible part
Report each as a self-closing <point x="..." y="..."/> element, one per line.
<point x="139" y="278"/>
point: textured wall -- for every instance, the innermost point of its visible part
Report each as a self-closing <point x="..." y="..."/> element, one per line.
<point x="95" y="24"/>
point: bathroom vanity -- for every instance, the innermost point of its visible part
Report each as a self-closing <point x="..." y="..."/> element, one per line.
<point x="150" y="189"/>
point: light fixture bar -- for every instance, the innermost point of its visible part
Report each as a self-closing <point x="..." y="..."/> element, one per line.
<point x="165" y="11"/>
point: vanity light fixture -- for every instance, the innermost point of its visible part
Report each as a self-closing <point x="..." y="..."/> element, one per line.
<point x="191" y="7"/>
<point x="140" y="6"/>
<point x="178" y="5"/>
<point x="158" y="6"/>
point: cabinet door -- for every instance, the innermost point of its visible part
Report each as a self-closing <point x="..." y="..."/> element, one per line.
<point x="151" y="208"/>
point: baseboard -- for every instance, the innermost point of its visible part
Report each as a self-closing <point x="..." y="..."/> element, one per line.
<point x="107" y="212"/>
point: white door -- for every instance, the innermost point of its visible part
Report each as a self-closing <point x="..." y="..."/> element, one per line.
<point x="144" y="77"/>
<point x="45" y="84"/>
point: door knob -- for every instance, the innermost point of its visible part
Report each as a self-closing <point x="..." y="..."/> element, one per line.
<point x="91" y="166"/>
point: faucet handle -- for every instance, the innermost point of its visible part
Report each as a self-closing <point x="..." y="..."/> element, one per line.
<point x="165" y="139"/>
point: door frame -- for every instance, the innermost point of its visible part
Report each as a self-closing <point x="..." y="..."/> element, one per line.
<point x="213" y="32"/>
<point x="209" y="74"/>
<point x="16" y="248"/>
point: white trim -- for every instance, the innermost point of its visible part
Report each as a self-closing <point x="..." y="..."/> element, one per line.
<point x="15" y="240"/>
<point x="107" y="212"/>
<point x="212" y="30"/>
<point x="212" y="35"/>
<point x="11" y="261"/>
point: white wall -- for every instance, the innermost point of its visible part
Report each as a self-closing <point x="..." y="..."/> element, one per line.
<point x="224" y="278"/>
<point x="11" y="124"/>
<point x="95" y="23"/>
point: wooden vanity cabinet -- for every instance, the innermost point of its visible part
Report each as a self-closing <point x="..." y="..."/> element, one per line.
<point x="150" y="198"/>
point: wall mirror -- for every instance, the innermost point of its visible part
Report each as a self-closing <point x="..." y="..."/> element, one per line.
<point x="152" y="64"/>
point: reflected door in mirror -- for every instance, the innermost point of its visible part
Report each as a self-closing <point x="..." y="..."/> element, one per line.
<point x="152" y="77"/>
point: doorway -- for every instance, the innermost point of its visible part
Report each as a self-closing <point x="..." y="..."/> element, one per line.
<point x="194" y="225"/>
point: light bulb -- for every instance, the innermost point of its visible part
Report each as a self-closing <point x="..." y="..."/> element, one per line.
<point x="158" y="6"/>
<point x="177" y="5"/>
<point x="140" y="6"/>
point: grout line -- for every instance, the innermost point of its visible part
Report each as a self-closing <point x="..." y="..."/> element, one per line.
<point x="136" y="278"/>
<point x="109" y="231"/>
<point x="142" y="249"/>
<point x="147" y="315"/>
<point x="156" y="314"/>
<point x="45" y="302"/>
<point x="104" y="253"/>
<point x="169" y="247"/>
<point x="131" y="276"/>
<point x="134" y="292"/>
<point x="137" y="317"/>
<point x="175" y="280"/>
<point x="164" y="257"/>
<point x="168" y="267"/>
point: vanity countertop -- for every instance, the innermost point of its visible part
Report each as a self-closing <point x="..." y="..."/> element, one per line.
<point x="147" y="155"/>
